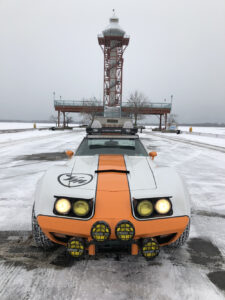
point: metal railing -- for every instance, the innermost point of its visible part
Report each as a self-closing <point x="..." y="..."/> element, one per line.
<point x="65" y="103"/>
<point x="76" y="103"/>
<point x="148" y="105"/>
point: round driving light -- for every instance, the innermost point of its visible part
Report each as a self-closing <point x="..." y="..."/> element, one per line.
<point x="81" y="208"/>
<point x="75" y="247"/>
<point x="100" y="231"/>
<point x="150" y="248"/>
<point x="163" y="206"/>
<point x="63" y="206"/>
<point x="145" y="208"/>
<point x="125" y="231"/>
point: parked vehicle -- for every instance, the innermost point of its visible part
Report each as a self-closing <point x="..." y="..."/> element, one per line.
<point x="111" y="191"/>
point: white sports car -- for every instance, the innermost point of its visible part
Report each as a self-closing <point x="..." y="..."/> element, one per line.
<point x="109" y="192"/>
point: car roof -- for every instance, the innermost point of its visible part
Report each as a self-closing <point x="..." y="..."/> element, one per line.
<point x="112" y="136"/>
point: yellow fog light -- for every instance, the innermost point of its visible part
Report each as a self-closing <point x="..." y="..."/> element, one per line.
<point x="163" y="206"/>
<point x="145" y="208"/>
<point x="125" y="231"/>
<point x="75" y="247"/>
<point x="81" y="208"/>
<point x="63" y="206"/>
<point x="150" y="248"/>
<point x="100" y="231"/>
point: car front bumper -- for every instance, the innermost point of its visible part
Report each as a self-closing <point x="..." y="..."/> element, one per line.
<point x="143" y="229"/>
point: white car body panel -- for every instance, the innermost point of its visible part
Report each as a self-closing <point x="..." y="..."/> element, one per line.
<point x="49" y="185"/>
<point x="140" y="176"/>
<point x="146" y="180"/>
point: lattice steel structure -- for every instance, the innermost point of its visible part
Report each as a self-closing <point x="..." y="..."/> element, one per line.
<point x="113" y="42"/>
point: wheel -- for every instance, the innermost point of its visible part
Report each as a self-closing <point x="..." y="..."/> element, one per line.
<point x="39" y="237"/>
<point x="182" y="239"/>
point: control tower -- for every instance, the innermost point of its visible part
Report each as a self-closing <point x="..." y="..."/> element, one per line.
<point x="113" y="42"/>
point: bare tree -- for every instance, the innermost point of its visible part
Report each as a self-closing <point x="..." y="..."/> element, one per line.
<point x="54" y="119"/>
<point x="94" y="103"/>
<point x="68" y="119"/>
<point x="137" y="100"/>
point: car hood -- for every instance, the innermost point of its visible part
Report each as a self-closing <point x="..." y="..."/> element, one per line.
<point x="78" y="179"/>
<point x="81" y="173"/>
<point x="141" y="176"/>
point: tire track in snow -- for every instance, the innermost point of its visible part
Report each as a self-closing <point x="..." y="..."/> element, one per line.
<point x="10" y="273"/>
<point x="105" y="277"/>
<point x="189" y="142"/>
<point x="37" y="138"/>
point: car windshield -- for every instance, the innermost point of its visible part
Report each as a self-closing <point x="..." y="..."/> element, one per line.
<point x="127" y="146"/>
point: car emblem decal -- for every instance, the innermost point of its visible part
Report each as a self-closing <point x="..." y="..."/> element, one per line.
<point x="74" y="179"/>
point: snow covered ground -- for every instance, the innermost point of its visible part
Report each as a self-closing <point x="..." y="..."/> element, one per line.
<point x="209" y="136"/>
<point x="23" y="125"/>
<point x="196" y="129"/>
<point x="26" y="136"/>
<point x="195" y="271"/>
<point x="207" y="140"/>
<point x="213" y="130"/>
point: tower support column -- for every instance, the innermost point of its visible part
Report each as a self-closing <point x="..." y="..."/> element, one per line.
<point x="165" y="120"/>
<point x="58" y="118"/>
<point x="64" y="120"/>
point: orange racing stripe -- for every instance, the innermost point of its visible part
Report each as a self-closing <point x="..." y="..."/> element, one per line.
<point x="113" y="195"/>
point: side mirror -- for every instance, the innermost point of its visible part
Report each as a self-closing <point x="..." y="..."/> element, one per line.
<point x="152" y="154"/>
<point x="69" y="153"/>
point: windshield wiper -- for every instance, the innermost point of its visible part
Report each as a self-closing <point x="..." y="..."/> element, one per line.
<point x="112" y="170"/>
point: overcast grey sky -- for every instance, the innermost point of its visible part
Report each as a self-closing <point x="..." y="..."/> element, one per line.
<point x="176" y="47"/>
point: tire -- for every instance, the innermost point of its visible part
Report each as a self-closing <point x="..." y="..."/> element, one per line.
<point x="182" y="239"/>
<point x="39" y="237"/>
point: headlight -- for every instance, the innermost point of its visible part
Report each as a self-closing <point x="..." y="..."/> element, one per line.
<point x="81" y="208"/>
<point x="63" y="206"/>
<point x="163" y="206"/>
<point x="145" y="208"/>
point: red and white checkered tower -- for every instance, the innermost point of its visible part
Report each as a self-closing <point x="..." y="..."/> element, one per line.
<point x="113" y="42"/>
